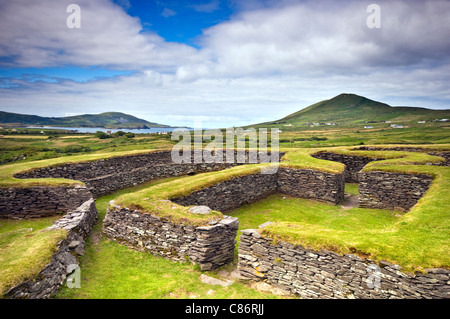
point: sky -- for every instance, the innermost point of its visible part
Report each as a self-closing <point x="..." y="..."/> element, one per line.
<point x="222" y="62"/>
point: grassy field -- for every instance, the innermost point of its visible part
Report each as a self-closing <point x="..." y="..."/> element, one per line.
<point x="416" y="240"/>
<point x="110" y="271"/>
<point x="25" y="248"/>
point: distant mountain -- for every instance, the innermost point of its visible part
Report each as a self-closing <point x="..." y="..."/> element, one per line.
<point x="112" y="120"/>
<point x="347" y="109"/>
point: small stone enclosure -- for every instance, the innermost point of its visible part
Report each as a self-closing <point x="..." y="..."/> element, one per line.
<point x="212" y="245"/>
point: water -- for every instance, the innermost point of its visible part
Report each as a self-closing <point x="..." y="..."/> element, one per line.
<point x="95" y="129"/>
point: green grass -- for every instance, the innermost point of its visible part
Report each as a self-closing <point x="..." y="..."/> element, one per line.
<point x="110" y="270"/>
<point x="25" y="147"/>
<point x="417" y="240"/>
<point x="352" y="188"/>
<point x="7" y="172"/>
<point x="25" y="248"/>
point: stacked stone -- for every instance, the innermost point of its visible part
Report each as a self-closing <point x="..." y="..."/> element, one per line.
<point x="388" y="190"/>
<point x="108" y="175"/>
<point x="214" y="244"/>
<point x="209" y="246"/>
<point x="78" y="223"/>
<point x="40" y="201"/>
<point x="444" y="154"/>
<point x="324" y="274"/>
<point x="308" y="183"/>
<point x="353" y="164"/>
<point x="233" y="193"/>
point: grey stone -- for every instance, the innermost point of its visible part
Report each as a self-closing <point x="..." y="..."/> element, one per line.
<point x="202" y="209"/>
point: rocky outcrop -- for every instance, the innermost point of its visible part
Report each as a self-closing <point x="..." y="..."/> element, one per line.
<point x="324" y="274"/>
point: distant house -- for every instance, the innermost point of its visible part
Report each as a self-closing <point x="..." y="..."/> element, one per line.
<point x="396" y="125"/>
<point x="42" y="132"/>
<point x="108" y="132"/>
<point x="421" y="122"/>
<point x="368" y="126"/>
<point x="444" y="120"/>
<point x="387" y="121"/>
<point x="288" y="125"/>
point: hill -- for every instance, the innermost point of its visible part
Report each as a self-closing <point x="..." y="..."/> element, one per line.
<point x="348" y="109"/>
<point x="106" y="120"/>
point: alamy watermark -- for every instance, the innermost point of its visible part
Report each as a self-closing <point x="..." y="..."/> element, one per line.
<point x="74" y="19"/>
<point x="373" y="21"/>
<point x="374" y="279"/>
<point x="233" y="145"/>
<point x="74" y="279"/>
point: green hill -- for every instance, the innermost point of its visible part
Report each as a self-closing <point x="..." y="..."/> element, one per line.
<point x="348" y="109"/>
<point x="107" y="120"/>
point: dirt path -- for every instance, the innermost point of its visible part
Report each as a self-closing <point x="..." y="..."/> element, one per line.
<point x="350" y="201"/>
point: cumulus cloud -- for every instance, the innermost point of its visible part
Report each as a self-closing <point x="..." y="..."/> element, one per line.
<point x="268" y="60"/>
<point x="329" y="37"/>
<point x="35" y="34"/>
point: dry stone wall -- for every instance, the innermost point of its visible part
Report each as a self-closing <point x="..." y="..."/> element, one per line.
<point x="308" y="183"/>
<point x="209" y="246"/>
<point x="388" y="190"/>
<point x="324" y="274"/>
<point x="233" y="193"/>
<point x="39" y="201"/>
<point x="444" y="154"/>
<point x="353" y="164"/>
<point x="107" y="175"/>
<point x="64" y="262"/>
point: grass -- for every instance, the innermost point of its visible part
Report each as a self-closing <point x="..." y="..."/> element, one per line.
<point x="417" y="240"/>
<point x="113" y="271"/>
<point x="25" y="248"/>
<point x="7" y="172"/>
<point x="153" y="200"/>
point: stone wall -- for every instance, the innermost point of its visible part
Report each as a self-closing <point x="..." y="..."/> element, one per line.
<point x="388" y="190"/>
<point x="105" y="176"/>
<point x="353" y="164"/>
<point x="325" y="274"/>
<point x="444" y="154"/>
<point x="209" y="246"/>
<point x="233" y="193"/>
<point x="39" y="201"/>
<point x="308" y="183"/>
<point x="64" y="262"/>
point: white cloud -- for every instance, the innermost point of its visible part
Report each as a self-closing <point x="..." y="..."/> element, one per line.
<point x="206" y="7"/>
<point x="329" y="37"/>
<point x="35" y="34"/>
<point x="168" y="13"/>
<point x="270" y="60"/>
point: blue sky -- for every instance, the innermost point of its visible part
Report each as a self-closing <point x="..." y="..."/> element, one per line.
<point x="225" y="62"/>
<point x="178" y="21"/>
